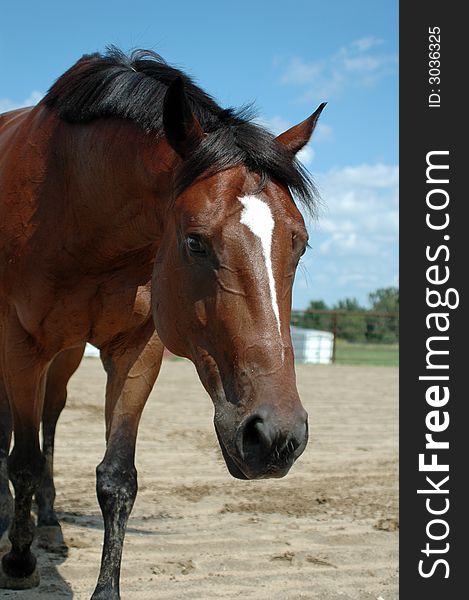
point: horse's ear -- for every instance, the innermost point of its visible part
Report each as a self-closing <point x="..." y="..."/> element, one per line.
<point x="299" y="135"/>
<point x="181" y="127"/>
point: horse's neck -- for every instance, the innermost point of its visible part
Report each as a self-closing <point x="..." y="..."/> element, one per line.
<point x="109" y="206"/>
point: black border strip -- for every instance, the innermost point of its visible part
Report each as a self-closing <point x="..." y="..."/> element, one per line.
<point x="426" y="127"/>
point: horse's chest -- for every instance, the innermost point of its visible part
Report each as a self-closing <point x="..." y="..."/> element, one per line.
<point x="118" y="310"/>
<point x="95" y="310"/>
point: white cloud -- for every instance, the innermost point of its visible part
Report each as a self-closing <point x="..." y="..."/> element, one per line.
<point x="364" y="44"/>
<point x="361" y="209"/>
<point x="365" y="176"/>
<point x="301" y="72"/>
<point x="360" y="63"/>
<point x="323" y="133"/>
<point x="306" y="155"/>
<point x="355" y="241"/>
<point x="276" y="124"/>
<point x="7" y="104"/>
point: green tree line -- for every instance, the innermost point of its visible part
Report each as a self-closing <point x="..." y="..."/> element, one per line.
<point x="361" y="326"/>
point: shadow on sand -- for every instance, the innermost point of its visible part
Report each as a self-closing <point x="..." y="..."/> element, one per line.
<point x="51" y="551"/>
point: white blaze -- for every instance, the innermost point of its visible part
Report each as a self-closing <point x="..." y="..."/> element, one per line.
<point x="257" y="216"/>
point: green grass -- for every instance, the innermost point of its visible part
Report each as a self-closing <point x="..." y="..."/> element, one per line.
<point x="367" y="354"/>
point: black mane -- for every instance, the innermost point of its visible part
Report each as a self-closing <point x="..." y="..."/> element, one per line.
<point x="133" y="87"/>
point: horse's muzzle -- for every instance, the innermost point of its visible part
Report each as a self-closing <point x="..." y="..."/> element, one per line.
<point x="263" y="448"/>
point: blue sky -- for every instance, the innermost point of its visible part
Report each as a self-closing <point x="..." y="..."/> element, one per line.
<point x="287" y="57"/>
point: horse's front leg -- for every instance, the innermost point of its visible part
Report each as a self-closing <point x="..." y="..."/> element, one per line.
<point x="131" y="375"/>
<point x="59" y="373"/>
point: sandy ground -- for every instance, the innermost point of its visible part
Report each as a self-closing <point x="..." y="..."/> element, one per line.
<point x="328" y="531"/>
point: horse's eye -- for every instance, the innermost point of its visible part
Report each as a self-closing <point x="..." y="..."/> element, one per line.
<point x="303" y="251"/>
<point x="195" y="245"/>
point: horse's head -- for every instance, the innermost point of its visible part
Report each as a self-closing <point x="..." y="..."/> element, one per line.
<point x="221" y="296"/>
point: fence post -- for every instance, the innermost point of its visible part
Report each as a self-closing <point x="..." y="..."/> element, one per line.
<point x="334" y="331"/>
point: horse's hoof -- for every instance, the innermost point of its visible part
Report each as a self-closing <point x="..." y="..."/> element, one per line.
<point x="52" y="540"/>
<point x="50" y="534"/>
<point x="18" y="583"/>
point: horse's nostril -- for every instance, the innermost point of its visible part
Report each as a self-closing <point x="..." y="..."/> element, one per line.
<point x="257" y="437"/>
<point x="260" y="440"/>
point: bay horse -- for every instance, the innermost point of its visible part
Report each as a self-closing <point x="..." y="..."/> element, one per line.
<point x="136" y="213"/>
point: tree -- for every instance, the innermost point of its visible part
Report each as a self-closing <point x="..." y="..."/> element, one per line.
<point x="359" y="326"/>
<point x="313" y="321"/>
<point x="384" y="329"/>
<point x="349" y="304"/>
<point x="351" y="328"/>
<point x="385" y="300"/>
